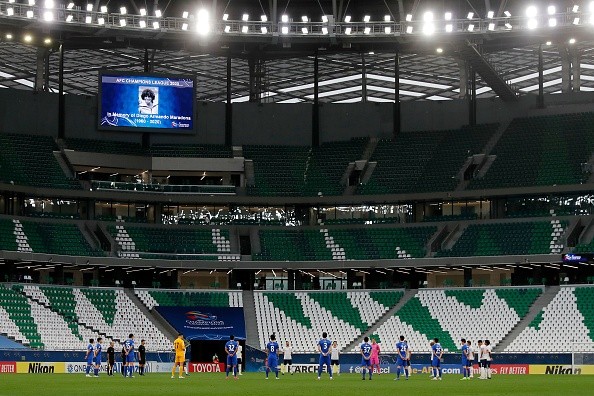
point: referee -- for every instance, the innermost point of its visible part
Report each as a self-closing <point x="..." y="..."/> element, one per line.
<point x="141" y="357"/>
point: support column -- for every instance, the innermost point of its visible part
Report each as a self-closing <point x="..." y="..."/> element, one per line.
<point x="396" y="111"/>
<point x="463" y="74"/>
<point x="39" y="73"/>
<point x="363" y="79"/>
<point x="61" y="98"/>
<point x="228" y="108"/>
<point x="540" y="102"/>
<point x="576" y="70"/>
<point x="471" y="95"/>
<point x="565" y="69"/>
<point x="315" y="120"/>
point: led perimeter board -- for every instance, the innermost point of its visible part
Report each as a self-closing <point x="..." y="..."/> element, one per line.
<point x="146" y="102"/>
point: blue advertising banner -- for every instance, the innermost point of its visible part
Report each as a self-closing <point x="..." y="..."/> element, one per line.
<point x="148" y="102"/>
<point x="205" y="323"/>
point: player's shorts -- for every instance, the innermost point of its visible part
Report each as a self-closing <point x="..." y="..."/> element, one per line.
<point x="400" y="362"/>
<point x="288" y="361"/>
<point x="142" y="361"/>
<point x="180" y="358"/>
<point x="97" y="361"/>
<point x="435" y="362"/>
<point x="239" y="360"/>
<point x="482" y="363"/>
<point x="487" y="364"/>
<point x="465" y="362"/>
<point x="335" y="362"/>
<point x="407" y="361"/>
<point x="272" y="364"/>
<point x="365" y="363"/>
<point x="130" y="358"/>
<point x="232" y="360"/>
<point x="374" y="360"/>
<point x="90" y="361"/>
<point x="324" y="360"/>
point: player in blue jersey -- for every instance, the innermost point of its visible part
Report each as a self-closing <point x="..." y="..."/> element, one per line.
<point x="97" y="357"/>
<point x="402" y="357"/>
<point x="129" y="349"/>
<point x="231" y="349"/>
<point x="325" y="349"/>
<point x="89" y="356"/>
<point x="366" y="357"/>
<point x="465" y="360"/>
<point x="272" y="356"/>
<point x="436" y="354"/>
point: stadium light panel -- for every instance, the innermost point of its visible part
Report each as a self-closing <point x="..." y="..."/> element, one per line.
<point x="244" y="29"/>
<point x="264" y="29"/>
<point x="123" y="10"/>
<point x="142" y="24"/>
<point x="143" y="12"/>
<point x="409" y="29"/>
<point x="227" y="29"/>
<point x="551" y="10"/>
<point x="471" y="28"/>
<point x="532" y="23"/>
<point x="408" y="17"/>
<point x="304" y="18"/>
<point x="285" y="30"/>
<point x="548" y="43"/>
<point x="203" y="22"/>
<point x="531" y="11"/>
<point x="28" y="38"/>
<point x="48" y="16"/>
<point x="122" y="22"/>
<point x="347" y="18"/>
<point x="263" y="18"/>
<point x="101" y="21"/>
<point x="185" y="15"/>
<point x="304" y="30"/>
<point x="49" y="4"/>
<point x="285" y="18"/>
<point x="428" y="16"/>
<point x="103" y="9"/>
<point x="428" y="28"/>
<point x="507" y="14"/>
<point x="30" y="14"/>
<point x="8" y="36"/>
<point x="367" y="30"/>
<point x="387" y="18"/>
<point x="387" y="30"/>
<point x="10" y="11"/>
<point x="449" y="28"/>
<point x="31" y="2"/>
<point x="491" y="26"/>
<point x="347" y="31"/>
<point x="225" y="17"/>
<point x="324" y="18"/>
<point x="156" y="25"/>
<point x="324" y="30"/>
<point x="439" y="50"/>
<point x="366" y="18"/>
<point x="470" y="15"/>
<point x="571" y="41"/>
<point x="576" y="21"/>
<point x="508" y="26"/>
<point x="490" y="14"/>
<point x="448" y="16"/>
<point x="245" y="17"/>
<point x="185" y="26"/>
<point x="89" y="7"/>
<point x="552" y="22"/>
<point x="47" y="40"/>
<point x="575" y="8"/>
<point x="158" y="13"/>
<point x="69" y="18"/>
<point x="69" y="6"/>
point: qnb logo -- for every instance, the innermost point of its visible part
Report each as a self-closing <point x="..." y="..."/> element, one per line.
<point x="197" y="315"/>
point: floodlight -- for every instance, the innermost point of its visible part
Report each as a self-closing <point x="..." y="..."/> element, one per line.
<point x="552" y="22"/>
<point x="508" y="26"/>
<point x="551" y="10"/>
<point x="123" y="10"/>
<point x="122" y="22"/>
<point x="387" y="18"/>
<point x="428" y="16"/>
<point x="531" y="11"/>
<point x="491" y="26"/>
<point x="490" y="14"/>
<point x="448" y="16"/>
<point x="28" y="38"/>
<point x="548" y="43"/>
<point x="387" y="30"/>
<point x="408" y="17"/>
<point x="507" y="14"/>
<point x="439" y="50"/>
<point x="409" y="29"/>
<point x="227" y="29"/>
<point x="347" y="31"/>
<point x="30" y="14"/>
<point x="47" y="40"/>
<point x="367" y="30"/>
<point x="264" y="29"/>
<point x="575" y="8"/>
<point x="225" y="17"/>
<point x="324" y="30"/>
<point x="347" y="18"/>
<point x="244" y="29"/>
<point x="184" y="26"/>
<point x="470" y="15"/>
<point x="142" y="23"/>
<point x="263" y="18"/>
<point x="69" y="18"/>
<point x="571" y="41"/>
<point x="48" y="16"/>
<point x="576" y="21"/>
<point x="31" y="2"/>
<point x="285" y="30"/>
<point x="89" y="7"/>
<point x="304" y="30"/>
<point x="449" y="28"/>
<point x="471" y="28"/>
<point x="324" y="18"/>
<point x="8" y="36"/>
<point x="245" y="17"/>
<point x="158" y="13"/>
<point x="366" y="18"/>
<point x="156" y="25"/>
<point x="285" y="18"/>
<point x="203" y="23"/>
<point x="10" y="11"/>
<point x="69" y="6"/>
<point x="101" y="21"/>
<point x="304" y="18"/>
<point x="49" y="3"/>
<point x="104" y="9"/>
<point x="185" y="14"/>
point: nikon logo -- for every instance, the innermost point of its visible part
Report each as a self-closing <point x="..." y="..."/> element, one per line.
<point x="38" y="368"/>
<point x="562" y="370"/>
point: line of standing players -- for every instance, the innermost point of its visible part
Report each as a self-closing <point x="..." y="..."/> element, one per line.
<point x="128" y="356"/>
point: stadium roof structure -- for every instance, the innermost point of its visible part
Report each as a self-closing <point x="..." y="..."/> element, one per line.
<point x="352" y="67"/>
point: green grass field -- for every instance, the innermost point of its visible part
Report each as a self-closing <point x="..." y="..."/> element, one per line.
<point x="299" y="384"/>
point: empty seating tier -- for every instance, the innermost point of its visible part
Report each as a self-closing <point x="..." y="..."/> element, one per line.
<point x="181" y="298"/>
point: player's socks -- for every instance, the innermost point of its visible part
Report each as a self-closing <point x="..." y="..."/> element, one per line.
<point x="96" y="372"/>
<point x="439" y="372"/>
<point x="267" y="371"/>
<point x="277" y="374"/>
<point x="235" y="371"/>
<point x="398" y="372"/>
<point x="363" y="372"/>
<point x="370" y="373"/>
<point x="330" y="371"/>
<point x="406" y="372"/>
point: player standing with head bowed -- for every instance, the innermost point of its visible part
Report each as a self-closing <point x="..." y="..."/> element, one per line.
<point x="97" y="357"/>
<point x="231" y="350"/>
<point x="465" y="359"/>
<point x="366" y="351"/>
<point x="129" y="347"/>
<point x="325" y="349"/>
<point x="335" y="358"/>
<point x="401" y="358"/>
<point x="272" y="356"/>
<point x="375" y="352"/>
<point x="437" y="353"/>
<point x="89" y="356"/>
<point x="288" y="357"/>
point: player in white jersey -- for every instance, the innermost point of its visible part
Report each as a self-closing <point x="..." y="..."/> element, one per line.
<point x="483" y="360"/>
<point x="239" y="358"/>
<point x="470" y="357"/>
<point x="488" y="359"/>
<point x="334" y="357"/>
<point x="287" y="358"/>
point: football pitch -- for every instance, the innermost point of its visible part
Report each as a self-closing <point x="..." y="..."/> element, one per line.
<point x="299" y="384"/>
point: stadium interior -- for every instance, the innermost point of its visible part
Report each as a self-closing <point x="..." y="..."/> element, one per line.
<point x="370" y="179"/>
